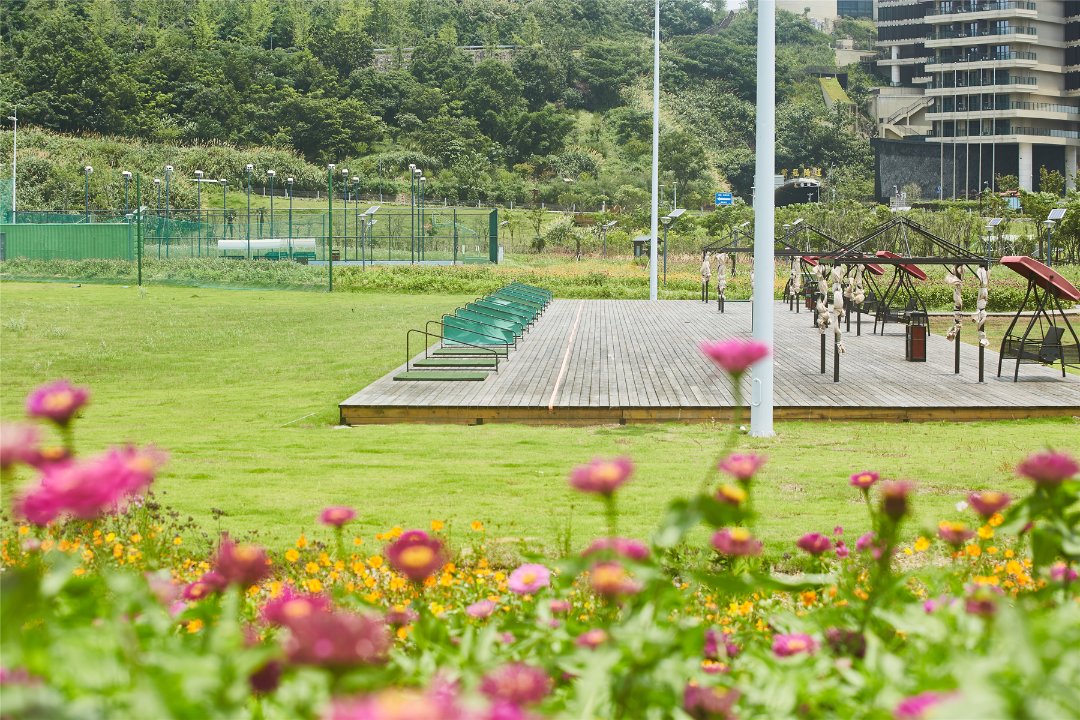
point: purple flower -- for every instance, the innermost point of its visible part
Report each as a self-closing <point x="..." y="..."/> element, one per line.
<point x="209" y="584"/>
<point x="916" y="707"/>
<point x="709" y="703"/>
<point x="742" y="466"/>
<point x="334" y="638"/>
<point x="989" y="502"/>
<point x="865" y="542"/>
<point x="480" y="610"/>
<point x="266" y="679"/>
<point x="734" y="356"/>
<point x="1060" y="572"/>
<point x="290" y="604"/>
<point x="954" y="533"/>
<point x="516" y="683"/>
<point x="793" y="644"/>
<point x="842" y="550"/>
<point x="982" y="600"/>
<point x="602" y="477"/>
<point x="736" y="542"/>
<point x="814" y="543"/>
<point x="400" y="616"/>
<point x="894" y="498"/>
<point x="396" y="704"/>
<point x="336" y="515"/>
<point x="864" y="480"/>
<point x="416" y="555"/>
<point x="18" y="444"/>
<point x="559" y="607"/>
<point x="1048" y="469"/>
<point x="528" y="578"/>
<point x="846" y="642"/>
<point x="591" y="639"/>
<point x="625" y="547"/>
<point x="58" y="401"/>
<point x="243" y="565"/>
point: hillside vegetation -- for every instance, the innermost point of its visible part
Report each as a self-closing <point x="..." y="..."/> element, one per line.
<point x="561" y="117"/>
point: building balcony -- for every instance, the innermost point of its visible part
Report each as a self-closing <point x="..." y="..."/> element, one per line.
<point x="985" y="10"/>
<point x="957" y="38"/>
<point x="890" y="61"/>
<point x="1043" y="136"/>
<point x="983" y="61"/>
<point x="1003" y="85"/>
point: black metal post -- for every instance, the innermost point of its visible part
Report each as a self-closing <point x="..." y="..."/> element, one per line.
<point x="982" y="354"/>
<point x="138" y="227"/>
<point x="836" y="362"/>
<point x="822" y="353"/>
<point x="956" y="354"/>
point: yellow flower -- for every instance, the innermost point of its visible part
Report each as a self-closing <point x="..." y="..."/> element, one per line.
<point x="809" y="597"/>
<point x="23" y="530"/>
<point x="375" y="561"/>
<point x="275" y="588"/>
<point x="996" y="519"/>
<point x="301" y="542"/>
<point x="437" y="525"/>
<point x="314" y="585"/>
<point x="397" y="582"/>
<point x="177" y="540"/>
<point x="973" y="550"/>
<point x="292" y="555"/>
<point x="195" y="625"/>
<point x="312" y="568"/>
<point x="436" y="608"/>
<point x="324" y="559"/>
<point x="396" y="531"/>
<point x="477" y="526"/>
<point x="986" y="579"/>
<point x="136" y="538"/>
<point x="78" y="572"/>
<point x="921" y="544"/>
<point x="1014" y="568"/>
<point x="403" y="631"/>
<point x="986" y="532"/>
<point x="1009" y="553"/>
<point x="992" y="550"/>
<point x="110" y="537"/>
<point x="358" y="541"/>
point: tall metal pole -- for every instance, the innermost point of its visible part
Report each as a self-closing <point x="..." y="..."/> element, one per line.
<point x="14" y="157"/>
<point x="655" y="150"/>
<point x="138" y="226"/>
<point x="290" y="182"/>
<point x="86" y="172"/>
<point x="157" y="215"/>
<point x="330" y="221"/>
<point x="423" y="234"/>
<point x="412" y="213"/>
<point x="761" y="404"/>
<point x="127" y="190"/>
<point x="168" y="182"/>
<point x="345" y="215"/>
<point x="248" y="170"/>
<point x="224" y="214"/>
<point x="272" y="174"/>
<point x="198" y="208"/>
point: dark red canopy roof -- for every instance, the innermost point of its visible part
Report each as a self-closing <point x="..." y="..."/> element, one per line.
<point x="1043" y="276"/>
<point x="913" y="270"/>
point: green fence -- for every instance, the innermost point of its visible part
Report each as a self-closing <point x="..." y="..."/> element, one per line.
<point x="68" y="241"/>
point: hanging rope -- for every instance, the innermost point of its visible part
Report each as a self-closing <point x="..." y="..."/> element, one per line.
<point x="980" y="306"/>
<point x="721" y="275"/>
<point x="837" y="278"/>
<point x="706" y="274"/>
<point x="822" y="295"/>
<point x="859" y="296"/>
<point x="954" y="278"/>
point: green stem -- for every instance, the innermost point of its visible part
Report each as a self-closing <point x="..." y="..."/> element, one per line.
<point x="732" y="436"/>
<point x="612" y="514"/>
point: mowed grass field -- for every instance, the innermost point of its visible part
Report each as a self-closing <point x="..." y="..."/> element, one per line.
<point x="241" y="388"/>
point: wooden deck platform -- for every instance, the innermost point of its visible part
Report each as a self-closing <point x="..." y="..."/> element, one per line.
<point x="635" y="361"/>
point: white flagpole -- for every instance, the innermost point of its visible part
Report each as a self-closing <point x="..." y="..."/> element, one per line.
<point x="655" y="150"/>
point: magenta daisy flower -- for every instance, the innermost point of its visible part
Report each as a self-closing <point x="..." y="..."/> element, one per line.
<point x="1048" y="469"/>
<point x="58" y="401"/>
<point x="734" y="356"/>
<point x="602" y="477"/>
<point x="416" y="555"/>
<point x="528" y="578"/>
<point x="336" y="515"/>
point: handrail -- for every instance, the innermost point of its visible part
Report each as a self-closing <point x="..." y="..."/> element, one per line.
<point x="426" y="334"/>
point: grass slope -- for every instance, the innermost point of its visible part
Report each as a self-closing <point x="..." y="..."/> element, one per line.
<point x="241" y="388"/>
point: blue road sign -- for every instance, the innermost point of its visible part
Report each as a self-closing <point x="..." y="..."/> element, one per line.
<point x="724" y="198"/>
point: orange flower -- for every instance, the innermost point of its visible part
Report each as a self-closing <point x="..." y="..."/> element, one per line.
<point x="477" y="526"/>
<point x="437" y="525"/>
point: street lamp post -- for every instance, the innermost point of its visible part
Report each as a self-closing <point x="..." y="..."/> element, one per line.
<point x="248" y="169"/>
<point x="157" y="214"/>
<point x="224" y="214"/>
<point x="417" y="172"/>
<point x="271" y="174"/>
<point x="198" y="207"/>
<point x="606" y="228"/>
<point x="330" y="221"/>
<point x="357" y="230"/>
<point x="14" y="157"/>
<point x="345" y="215"/>
<point x="412" y="220"/>
<point x="423" y="232"/>
<point x="289" y="182"/>
<point x="87" y="172"/>
<point x="666" y="220"/>
<point x="168" y="182"/>
<point x="1049" y="225"/>
<point x="127" y="187"/>
<point x="675" y="198"/>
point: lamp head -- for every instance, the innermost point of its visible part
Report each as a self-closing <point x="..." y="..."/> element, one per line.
<point x="168" y="169"/>
<point x="1048" y="224"/>
<point x="126" y="174"/>
<point x="199" y="174"/>
<point x="330" y="166"/>
<point x="417" y="171"/>
<point x="290" y="180"/>
<point x="666" y="220"/>
<point x="223" y="182"/>
<point x="89" y="170"/>
<point x="157" y="181"/>
<point x="345" y="172"/>
<point x="271" y="173"/>
<point x="423" y="179"/>
<point x="356" y="179"/>
<point x="249" y="167"/>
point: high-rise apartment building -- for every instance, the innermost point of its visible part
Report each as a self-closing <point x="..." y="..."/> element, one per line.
<point x="995" y="83"/>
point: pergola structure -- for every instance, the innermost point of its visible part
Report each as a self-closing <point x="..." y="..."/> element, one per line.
<point x="1043" y="340"/>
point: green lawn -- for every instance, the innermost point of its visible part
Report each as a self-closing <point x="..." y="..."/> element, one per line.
<point x="241" y="387"/>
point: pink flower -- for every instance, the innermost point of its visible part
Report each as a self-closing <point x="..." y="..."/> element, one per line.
<point x="894" y="498"/>
<point x="624" y="547"/>
<point x="57" y="401"/>
<point x="954" y="533"/>
<point x="846" y="642"/>
<point x="416" y="555"/>
<point x="336" y="515"/>
<point x="516" y="683"/>
<point x="333" y="638"/>
<point x="482" y="609"/>
<point x="266" y="679"/>
<point x="400" y="616"/>
<point x="814" y="543"/>
<point x="864" y="480"/>
<point x="528" y="578"/>
<point x="92" y="487"/>
<point x="291" y="605"/>
<point x="1048" y="469"/>
<point x="243" y="565"/>
<point x="793" y="644"/>
<point x="916" y="707"/>
<point x="1060" y="572"/>
<point x="734" y="356"/>
<point x="17" y="676"/>
<point x="210" y="583"/>
<point x="591" y="639"/>
<point x="602" y="477"/>
<point x="396" y="704"/>
<point x="989" y="502"/>
<point x="18" y="444"/>
<point x="982" y="600"/>
<point x="709" y="703"/>
<point x="742" y="466"/>
<point x="731" y="495"/>
<point x="736" y="542"/>
<point x="865" y="541"/>
<point x="611" y="580"/>
<point x="559" y="607"/>
<point x="842" y="550"/>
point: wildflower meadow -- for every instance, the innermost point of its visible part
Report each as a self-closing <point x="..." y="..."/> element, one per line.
<point x="115" y="606"/>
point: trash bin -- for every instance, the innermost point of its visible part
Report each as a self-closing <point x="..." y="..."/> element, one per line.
<point x="915" y="338"/>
